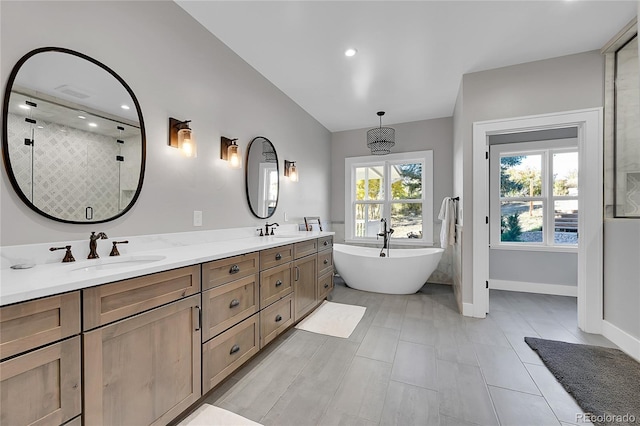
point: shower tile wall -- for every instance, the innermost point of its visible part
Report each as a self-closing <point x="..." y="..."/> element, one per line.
<point x="71" y="172"/>
<point x="627" y="150"/>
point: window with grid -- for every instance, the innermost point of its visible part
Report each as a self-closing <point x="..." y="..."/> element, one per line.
<point x="534" y="194"/>
<point x="398" y="188"/>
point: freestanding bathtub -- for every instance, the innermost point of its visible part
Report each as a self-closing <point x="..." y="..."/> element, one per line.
<point x="405" y="271"/>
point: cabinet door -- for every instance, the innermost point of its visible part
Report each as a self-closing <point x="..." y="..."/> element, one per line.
<point x="304" y="285"/>
<point x="145" y="369"/>
<point x="42" y="387"/>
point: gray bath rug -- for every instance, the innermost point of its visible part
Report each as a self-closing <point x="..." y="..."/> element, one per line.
<point x="605" y="382"/>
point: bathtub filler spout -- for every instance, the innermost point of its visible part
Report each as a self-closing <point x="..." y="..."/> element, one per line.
<point x="386" y="235"/>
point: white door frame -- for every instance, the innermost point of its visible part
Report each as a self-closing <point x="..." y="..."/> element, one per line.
<point x="590" y="205"/>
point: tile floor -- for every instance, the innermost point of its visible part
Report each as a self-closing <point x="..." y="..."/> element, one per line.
<point x="414" y="360"/>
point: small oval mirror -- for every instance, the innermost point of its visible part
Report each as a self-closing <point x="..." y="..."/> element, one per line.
<point x="73" y="137"/>
<point x="262" y="178"/>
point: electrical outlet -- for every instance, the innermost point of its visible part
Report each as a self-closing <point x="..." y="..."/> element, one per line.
<point x="197" y="218"/>
<point x="286" y="216"/>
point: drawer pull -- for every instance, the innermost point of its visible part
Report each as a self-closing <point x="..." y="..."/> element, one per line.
<point x="326" y="286"/>
<point x="234" y="349"/>
<point x="234" y="303"/>
<point x="326" y="243"/>
<point x="278" y="283"/>
<point x="326" y="261"/>
<point x="278" y="256"/>
<point x="278" y="318"/>
<point x="234" y="269"/>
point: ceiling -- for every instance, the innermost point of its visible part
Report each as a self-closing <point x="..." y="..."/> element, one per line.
<point x="411" y="54"/>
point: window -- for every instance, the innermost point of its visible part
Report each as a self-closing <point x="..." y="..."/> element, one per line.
<point x="534" y="194"/>
<point x="399" y="188"/>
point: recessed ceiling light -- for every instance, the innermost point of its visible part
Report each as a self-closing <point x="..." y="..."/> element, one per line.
<point x="22" y="106"/>
<point x="82" y="117"/>
<point x="40" y="127"/>
<point x="123" y="106"/>
<point x="350" y="52"/>
<point x="93" y="125"/>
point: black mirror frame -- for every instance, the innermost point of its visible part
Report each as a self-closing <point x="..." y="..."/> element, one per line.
<point x="246" y="178"/>
<point x="5" y="142"/>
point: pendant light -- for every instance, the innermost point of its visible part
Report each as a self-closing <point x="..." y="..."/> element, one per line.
<point x="381" y="139"/>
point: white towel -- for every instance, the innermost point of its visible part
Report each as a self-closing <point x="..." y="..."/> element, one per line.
<point x="448" y="217"/>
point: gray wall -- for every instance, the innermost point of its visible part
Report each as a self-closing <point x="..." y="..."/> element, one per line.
<point x="622" y="274"/>
<point x="176" y="68"/>
<point x="560" y="84"/>
<point x="538" y="267"/>
<point x="436" y="135"/>
<point x="622" y="268"/>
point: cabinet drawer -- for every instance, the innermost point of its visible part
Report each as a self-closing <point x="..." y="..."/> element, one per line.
<point x="275" y="283"/>
<point x="227" y="305"/>
<point x="43" y="386"/>
<point x="325" y="243"/>
<point x="223" y="354"/>
<point x="325" y="285"/>
<point x="325" y="262"/>
<point x="275" y="319"/>
<point x="305" y="248"/>
<point x="28" y="325"/>
<point x="276" y="256"/>
<point x="110" y="302"/>
<point x="224" y="271"/>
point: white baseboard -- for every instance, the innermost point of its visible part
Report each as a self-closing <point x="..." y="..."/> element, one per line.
<point x="625" y="341"/>
<point x="555" y="289"/>
<point x="467" y="309"/>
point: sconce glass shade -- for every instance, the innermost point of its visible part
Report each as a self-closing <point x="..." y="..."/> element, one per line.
<point x="290" y="170"/>
<point x="186" y="143"/>
<point x="233" y="156"/>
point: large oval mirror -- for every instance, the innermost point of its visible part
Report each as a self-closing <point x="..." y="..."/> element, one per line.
<point x="262" y="178"/>
<point x="73" y="137"/>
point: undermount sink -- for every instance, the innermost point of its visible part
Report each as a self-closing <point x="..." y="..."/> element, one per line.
<point x="117" y="262"/>
<point x="285" y="236"/>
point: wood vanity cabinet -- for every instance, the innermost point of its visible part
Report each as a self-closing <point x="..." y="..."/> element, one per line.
<point x="325" y="268"/>
<point x="41" y="384"/>
<point x="145" y="368"/>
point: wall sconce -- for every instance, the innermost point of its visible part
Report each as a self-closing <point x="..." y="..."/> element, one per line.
<point x="230" y="152"/>
<point x="181" y="137"/>
<point x="291" y="170"/>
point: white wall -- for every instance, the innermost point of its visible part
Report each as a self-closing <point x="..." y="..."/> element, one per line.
<point x="560" y="84"/>
<point x="176" y="68"/>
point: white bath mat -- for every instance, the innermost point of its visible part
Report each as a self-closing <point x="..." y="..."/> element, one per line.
<point x="209" y="415"/>
<point x="334" y="319"/>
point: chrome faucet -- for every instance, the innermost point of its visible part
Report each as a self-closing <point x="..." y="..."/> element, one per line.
<point x="266" y="228"/>
<point x="386" y="234"/>
<point x="93" y="244"/>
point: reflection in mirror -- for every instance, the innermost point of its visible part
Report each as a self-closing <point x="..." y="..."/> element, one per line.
<point x="262" y="177"/>
<point x="73" y="137"/>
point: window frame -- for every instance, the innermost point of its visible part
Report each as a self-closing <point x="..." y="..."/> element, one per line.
<point x="387" y="161"/>
<point x="547" y="149"/>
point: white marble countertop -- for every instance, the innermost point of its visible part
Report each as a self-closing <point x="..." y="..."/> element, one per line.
<point x="46" y="279"/>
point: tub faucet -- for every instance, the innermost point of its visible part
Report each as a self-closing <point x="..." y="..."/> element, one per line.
<point x="270" y="225"/>
<point x="93" y="244"/>
<point x="386" y="234"/>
